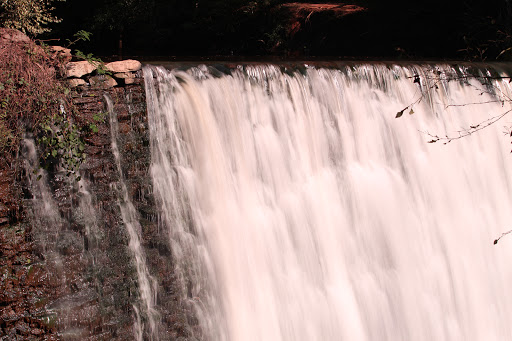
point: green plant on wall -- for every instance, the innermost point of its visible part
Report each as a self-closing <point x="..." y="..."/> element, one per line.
<point x="33" y="100"/>
<point x="61" y="143"/>
<point x="97" y="118"/>
<point x="82" y="35"/>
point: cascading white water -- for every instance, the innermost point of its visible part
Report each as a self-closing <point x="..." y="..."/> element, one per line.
<point x="49" y="229"/>
<point x="299" y="208"/>
<point x="43" y="209"/>
<point x="147" y="284"/>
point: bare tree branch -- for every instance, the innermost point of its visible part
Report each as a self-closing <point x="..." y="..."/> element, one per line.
<point x="487" y="87"/>
<point x="466" y="131"/>
<point x="503" y="234"/>
<point x="471" y="103"/>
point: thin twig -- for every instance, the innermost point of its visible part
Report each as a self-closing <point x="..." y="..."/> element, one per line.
<point x="471" y="103"/>
<point x="503" y="234"/>
<point x="489" y="88"/>
<point x="43" y="40"/>
<point x="466" y="132"/>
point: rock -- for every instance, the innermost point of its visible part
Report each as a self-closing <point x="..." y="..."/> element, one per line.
<point x="60" y="49"/>
<point x="79" y="69"/>
<point x="62" y="53"/>
<point x="35" y="276"/>
<point x="7" y="314"/>
<point x="102" y="81"/>
<point x="9" y="34"/>
<point x="124" y="66"/>
<point x="129" y="81"/>
<point x="4" y="210"/>
<point x="124" y="75"/>
<point x="22" y="327"/>
<point x="87" y="99"/>
<point x="59" y="288"/>
<point x="36" y="331"/>
<point x="69" y="243"/>
<point x="74" y="82"/>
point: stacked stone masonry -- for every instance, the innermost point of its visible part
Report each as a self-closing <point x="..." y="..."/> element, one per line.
<point x="90" y="293"/>
<point x="100" y="75"/>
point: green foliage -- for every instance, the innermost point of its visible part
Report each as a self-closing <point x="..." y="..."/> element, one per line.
<point x="101" y="69"/>
<point x="275" y="38"/>
<point x="81" y="35"/>
<point x="32" y="99"/>
<point x="61" y="143"/>
<point x="98" y="62"/>
<point x="100" y="117"/>
<point x="29" y="16"/>
<point x="116" y="15"/>
<point x="97" y="118"/>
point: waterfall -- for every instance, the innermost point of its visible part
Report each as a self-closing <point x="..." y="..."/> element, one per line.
<point x="299" y="208"/>
<point x="147" y="284"/>
<point x="53" y="239"/>
<point x="44" y="209"/>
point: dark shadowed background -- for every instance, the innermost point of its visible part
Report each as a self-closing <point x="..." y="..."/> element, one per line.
<point x="360" y="29"/>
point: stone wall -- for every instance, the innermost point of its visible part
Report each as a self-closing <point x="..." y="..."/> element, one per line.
<point x="78" y="281"/>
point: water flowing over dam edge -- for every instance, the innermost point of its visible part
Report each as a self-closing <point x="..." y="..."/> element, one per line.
<point x="317" y="215"/>
<point x="283" y="203"/>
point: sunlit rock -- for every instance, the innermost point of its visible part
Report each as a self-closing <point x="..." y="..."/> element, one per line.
<point x="124" y="75"/>
<point x="102" y="81"/>
<point x="74" y="82"/>
<point x="62" y="53"/>
<point x="124" y="66"/>
<point x="79" y="69"/>
<point x="8" y="34"/>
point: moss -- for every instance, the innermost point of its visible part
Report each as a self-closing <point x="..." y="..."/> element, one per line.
<point x="49" y="320"/>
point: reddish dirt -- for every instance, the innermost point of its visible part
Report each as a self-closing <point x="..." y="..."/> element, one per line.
<point x="310" y="8"/>
<point x="302" y="12"/>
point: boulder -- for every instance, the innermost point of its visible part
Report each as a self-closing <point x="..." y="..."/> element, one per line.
<point x="9" y="34"/>
<point x="4" y="214"/>
<point x="62" y="53"/>
<point x="74" y="82"/>
<point x="102" y="82"/>
<point x="124" y="66"/>
<point x="79" y="69"/>
<point x="36" y="331"/>
<point x="124" y="75"/>
<point x="3" y="210"/>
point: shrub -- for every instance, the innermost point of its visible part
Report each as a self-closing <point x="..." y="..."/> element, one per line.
<point x="28" y="16"/>
<point x="33" y="100"/>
